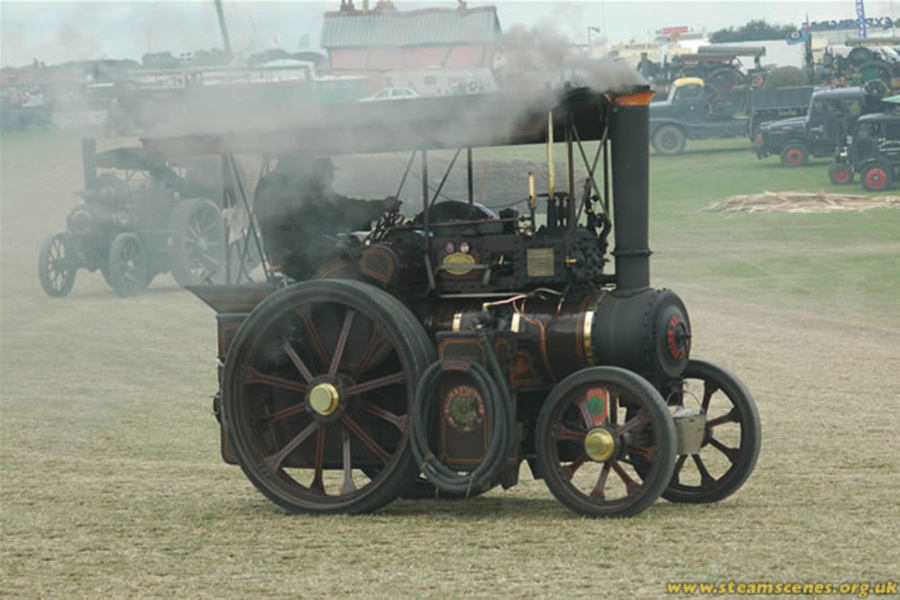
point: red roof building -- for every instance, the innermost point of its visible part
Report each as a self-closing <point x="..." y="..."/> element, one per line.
<point x="374" y="42"/>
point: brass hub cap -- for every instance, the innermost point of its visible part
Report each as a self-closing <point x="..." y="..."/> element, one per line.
<point x="599" y="444"/>
<point x="324" y="399"/>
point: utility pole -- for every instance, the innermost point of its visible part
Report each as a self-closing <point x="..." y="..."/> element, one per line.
<point x="222" y="26"/>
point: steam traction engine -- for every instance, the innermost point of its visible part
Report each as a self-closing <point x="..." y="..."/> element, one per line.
<point x="442" y="351"/>
<point x="139" y="218"/>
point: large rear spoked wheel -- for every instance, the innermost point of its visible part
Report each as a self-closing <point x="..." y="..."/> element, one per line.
<point x="56" y="267"/>
<point x="591" y="426"/>
<point x="198" y="243"/>
<point x="731" y="440"/>
<point x="318" y="387"/>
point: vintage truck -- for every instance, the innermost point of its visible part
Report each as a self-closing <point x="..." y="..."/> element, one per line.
<point x="697" y="110"/>
<point x="832" y="114"/>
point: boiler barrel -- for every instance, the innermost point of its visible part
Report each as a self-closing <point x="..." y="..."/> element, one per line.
<point x="647" y="331"/>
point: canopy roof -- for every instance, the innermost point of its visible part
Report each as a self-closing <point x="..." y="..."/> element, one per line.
<point x="419" y="123"/>
<point x="129" y="158"/>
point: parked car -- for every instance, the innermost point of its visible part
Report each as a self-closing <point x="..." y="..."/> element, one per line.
<point x="391" y="94"/>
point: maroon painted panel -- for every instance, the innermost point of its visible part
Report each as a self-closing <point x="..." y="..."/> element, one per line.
<point x="465" y="57"/>
<point x="349" y="59"/>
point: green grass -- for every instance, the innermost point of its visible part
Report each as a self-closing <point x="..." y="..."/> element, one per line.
<point x="847" y="261"/>
<point x="111" y="484"/>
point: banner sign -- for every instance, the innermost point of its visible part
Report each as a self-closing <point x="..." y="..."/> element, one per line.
<point x="670" y="30"/>
<point x="874" y="22"/>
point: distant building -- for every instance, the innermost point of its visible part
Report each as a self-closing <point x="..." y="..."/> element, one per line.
<point x="381" y="40"/>
<point x="12" y="76"/>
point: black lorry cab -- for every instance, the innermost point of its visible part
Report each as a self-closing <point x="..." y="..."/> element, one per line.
<point x="872" y="149"/>
<point x="831" y="116"/>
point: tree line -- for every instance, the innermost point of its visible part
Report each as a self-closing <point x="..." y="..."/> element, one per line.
<point x="754" y="31"/>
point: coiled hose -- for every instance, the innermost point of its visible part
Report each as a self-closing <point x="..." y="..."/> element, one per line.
<point x="498" y="410"/>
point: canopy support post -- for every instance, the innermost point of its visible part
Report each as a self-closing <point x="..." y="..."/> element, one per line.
<point x="469" y="174"/>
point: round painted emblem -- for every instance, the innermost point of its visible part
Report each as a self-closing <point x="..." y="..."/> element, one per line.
<point x="464" y="408"/>
<point x="449" y="248"/>
<point x="464" y="247"/>
<point x="596" y="400"/>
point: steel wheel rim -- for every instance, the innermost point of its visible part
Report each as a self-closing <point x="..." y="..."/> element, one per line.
<point x="270" y="429"/>
<point x="611" y="487"/>
<point x="731" y="440"/>
<point x="59" y="271"/>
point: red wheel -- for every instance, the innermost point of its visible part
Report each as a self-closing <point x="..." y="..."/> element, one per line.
<point x="876" y="177"/>
<point x="794" y="155"/>
<point x="840" y="174"/>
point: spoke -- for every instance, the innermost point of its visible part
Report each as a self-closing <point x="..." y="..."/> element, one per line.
<point x="598" y="492"/>
<point x="573" y="466"/>
<point x="254" y="376"/>
<point x="317" y="485"/>
<point x="372" y="347"/>
<point x="314" y="338"/>
<point x="566" y="434"/>
<point x="348" y="487"/>
<point x="676" y="473"/>
<point x="645" y="452"/>
<point x="630" y="484"/>
<point x="613" y="408"/>
<point x="284" y="413"/>
<point x="731" y="454"/>
<point x="342" y="341"/>
<point x="586" y="413"/>
<point x="731" y="416"/>
<point x="705" y="477"/>
<point x="631" y="424"/>
<point x="366" y="439"/>
<point x="398" y="421"/>
<point x="709" y="388"/>
<point x="274" y="461"/>
<point x="295" y="358"/>
<point x="368" y="386"/>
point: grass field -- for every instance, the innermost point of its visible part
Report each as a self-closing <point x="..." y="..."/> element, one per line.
<point x="111" y="484"/>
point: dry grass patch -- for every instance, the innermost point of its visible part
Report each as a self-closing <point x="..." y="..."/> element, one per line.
<point x="802" y="202"/>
